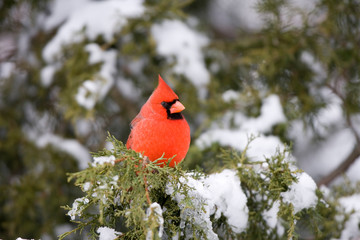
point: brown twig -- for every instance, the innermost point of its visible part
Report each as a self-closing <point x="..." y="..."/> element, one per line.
<point x="352" y="156"/>
<point x="119" y="160"/>
<point x="145" y="162"/>
<point x="147" y="191"/>
<point x="341" y="168"/>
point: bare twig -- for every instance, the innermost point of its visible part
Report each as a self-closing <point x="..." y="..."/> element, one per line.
<point x="119" y="160"/>
<point x="342" y="167"/>
<point x="351" y="125"/>
<point x="352" y="156"/>
<point x="145" y="162"/>
<point x="147" y="191"/>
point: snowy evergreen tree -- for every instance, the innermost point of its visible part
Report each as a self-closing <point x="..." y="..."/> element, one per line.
<point x="256" y="77"/>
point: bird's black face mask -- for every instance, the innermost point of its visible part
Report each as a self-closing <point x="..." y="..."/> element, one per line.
<point x="172" y="116"/>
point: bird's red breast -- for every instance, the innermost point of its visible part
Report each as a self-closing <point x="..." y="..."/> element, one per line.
<point x="160" y="129"/>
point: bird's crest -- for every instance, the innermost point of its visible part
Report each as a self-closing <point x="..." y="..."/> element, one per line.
<point x="163" y="93"/>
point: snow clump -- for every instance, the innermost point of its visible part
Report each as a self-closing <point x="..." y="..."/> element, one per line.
<point x="351" y="204"/>
<point x="103" y="160"/>
<point x="106" y="233"/>
<point x="301" y="194"/>
<point x="271" y="113"/>
<point x="155" y="212"/>
<point x="175" y="39"/>
<point x="218" y="194"/>
<point x="77" y="207"/>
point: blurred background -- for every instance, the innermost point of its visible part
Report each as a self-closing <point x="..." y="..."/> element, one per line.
<point x="284" y="71"/>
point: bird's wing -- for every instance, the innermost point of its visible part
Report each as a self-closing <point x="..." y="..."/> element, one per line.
<point x="133" y="123"/>
<point x="137" y="119"/>
<point x="129" y="141"/>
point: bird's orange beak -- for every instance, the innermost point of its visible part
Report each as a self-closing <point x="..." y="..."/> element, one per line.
<point x="177" y="107"/>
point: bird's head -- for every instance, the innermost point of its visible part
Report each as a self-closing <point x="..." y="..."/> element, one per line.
<point x="165" y="102"/>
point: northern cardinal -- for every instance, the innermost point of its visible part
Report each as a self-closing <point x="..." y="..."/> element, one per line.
<point x="160" y="130"/>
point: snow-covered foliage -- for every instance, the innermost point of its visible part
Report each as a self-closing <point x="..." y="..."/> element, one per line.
<point x="255" y="77"/>
<point x="271" y="113"/>
<point x="331" y="151"/>
<point x="212" y="206"/>
<point x="351" y="206"/>
<point x="80" y="22"/>
<point x="95" y="90"/>
<point x="218" y="194"/>
<point x="106" y="233"/>
<point x="175" y="39"/>
<point x="301" y="194"/>
<point x="80" y="25"/>
<point x="154" y="215"/>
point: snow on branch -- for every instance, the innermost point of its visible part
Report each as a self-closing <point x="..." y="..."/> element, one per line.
<point x="270" y="195"/>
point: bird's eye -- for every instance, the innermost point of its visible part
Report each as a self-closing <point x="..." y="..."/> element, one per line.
<point x="166" y="105"/>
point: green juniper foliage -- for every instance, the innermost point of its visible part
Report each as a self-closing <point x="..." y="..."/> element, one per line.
<point x="263" y="183"/>
<point x="116" y="195"/>
<point x="117" y="183"/>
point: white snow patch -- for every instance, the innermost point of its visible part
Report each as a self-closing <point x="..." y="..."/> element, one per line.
<point x="230" y="95"/>
<point x="301" y="194"/>
<point x="136" y="65"/>
<point x="351" y="203"/>
<point x="87" y="186"/>
<point x="106" y="233"/>
<point x="329" y="152"/>
<point x="84" y="126"/>
<point x="336" y="144"/>
<point x="271" y="218"/>
<point x="127" y="88"/>
<point x="325" y="191"/>
<point x="228" y="198"/>
<point x="230" y="15"/>
<point x="307" y="9"/>
<point x="155" y="212"/>
<point x="353" y="172"/>
<point x="92" y="91"/>
<point x="109" y="146"/>
<point x="70" y="146"/>
<point x="314" y="65"/>
<point x="262" y="146"/>
<point x="202" y="207"/>
<point x="78" y="207"/>
<point x="104" y="159"/>
<point x="175" y="39"/>
<point x="6" y="69"/>
<point x="355" y="119"/>
<point x="218" y="194"/>
<point x="47" y="73"/>
<point x="40" y="130"/>
<point x="113" y="15"/>
<point x="271" y="113"/>
<point x="60" y="11"/>
<point x="87" y="94"/>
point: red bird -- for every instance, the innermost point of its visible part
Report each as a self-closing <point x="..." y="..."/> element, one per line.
<point x="160" y="129"/>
